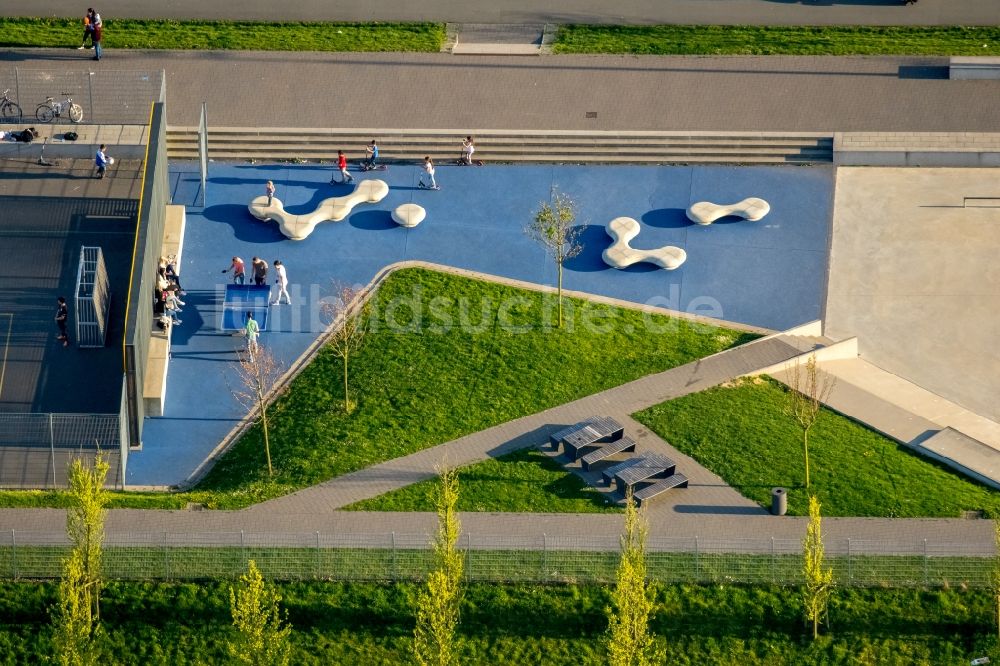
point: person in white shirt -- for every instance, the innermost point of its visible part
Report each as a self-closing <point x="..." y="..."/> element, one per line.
<point x="468" y="148"/>
<point x="429" y="172"/>
<point x="282" y="282"/>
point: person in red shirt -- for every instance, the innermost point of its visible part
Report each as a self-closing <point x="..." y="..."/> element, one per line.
<point x="345" y="177"/>
<point x="239" y="270"/>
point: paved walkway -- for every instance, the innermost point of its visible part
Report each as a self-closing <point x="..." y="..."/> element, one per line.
<point x="465" y="93"/>
<point x="729" y="517"/>
<point x="732" y="12"/>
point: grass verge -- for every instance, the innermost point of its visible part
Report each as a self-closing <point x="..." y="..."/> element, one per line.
<point x="227" y="35"/>
<point x="518" y="624"/>
<point x="742" y="433"/>
<point x="460" y="356"/>
<point x="778" y="40"/>
<point x="526" y="481"/>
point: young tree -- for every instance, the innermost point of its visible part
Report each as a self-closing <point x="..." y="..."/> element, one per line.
<point x="629" y="642"/>
<point x="73" y="617"/>
<point x="434" y="641"/>
<point x="257" y="375"/>
<point x="806" y="398"/>
<point x="348" y="317"/>
<point x="85" y="522"/>
<point x="819" y="582"/>
<point x="262" y="630"/>
<point x="553" y="228"/>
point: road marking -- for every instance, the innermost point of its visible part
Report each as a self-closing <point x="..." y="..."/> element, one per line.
<point x="6" y="347"/>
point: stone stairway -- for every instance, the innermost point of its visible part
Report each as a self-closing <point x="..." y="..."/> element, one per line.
<point x="493" y="146"/>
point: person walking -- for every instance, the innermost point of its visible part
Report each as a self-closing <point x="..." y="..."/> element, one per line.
<point x="239" y="271"/>
<point x="342" y="165"/>
<point x="259" y="267"/>
<point x="62" y="315"/>
<point x="429" y="172"/>
<point x="282" y="282"/>
<point x="88" y="30"/>
<point x="371" y="152"/>
<point x="252" y="331"/>
<point x="102" y="161"/>
<point x="468" y="148"/>
<point x="98" y="35"/>
<point x="269" y="190"/>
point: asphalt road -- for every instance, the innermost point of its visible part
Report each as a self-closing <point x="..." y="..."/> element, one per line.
<point x="771" y="12"/>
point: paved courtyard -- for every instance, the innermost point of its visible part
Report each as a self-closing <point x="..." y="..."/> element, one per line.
<point x="913" y="274"/>
<point x="769" y="274"/>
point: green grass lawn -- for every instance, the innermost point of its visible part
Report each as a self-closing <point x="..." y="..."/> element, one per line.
<point x="433" y="379"/>
<point x="179" y="624"/>
<point x="227" y="35"/>
<point x="777" y="40"/>
<point x="522" y="481"/>
<point x="743" y="434"/>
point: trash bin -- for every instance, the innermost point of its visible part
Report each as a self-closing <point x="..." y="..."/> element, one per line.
<point x="779" y="501"/>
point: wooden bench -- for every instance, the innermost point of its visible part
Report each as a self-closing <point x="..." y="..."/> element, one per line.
<point x="653" y="490"/>
<point x="644" y="468"/>
<point x="623" y="445"/>
<point x="595" y="430"/>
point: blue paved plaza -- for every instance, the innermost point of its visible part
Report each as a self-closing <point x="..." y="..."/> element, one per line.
<point x="770" y="273"/>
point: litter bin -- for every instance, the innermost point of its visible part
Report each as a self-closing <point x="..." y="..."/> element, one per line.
<point x="779" y="501"/>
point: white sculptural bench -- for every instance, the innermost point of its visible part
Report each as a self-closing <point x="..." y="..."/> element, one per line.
<point x="750" y="209"/>
<point x="622" y="255"/>
<point x="334" y="209"/>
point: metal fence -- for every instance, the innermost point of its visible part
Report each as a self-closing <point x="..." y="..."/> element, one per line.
<point x="92" y="298"/>
<point x="118" y="97"/>
<point x="544" y="559"/>
<point x="36" y="449"/>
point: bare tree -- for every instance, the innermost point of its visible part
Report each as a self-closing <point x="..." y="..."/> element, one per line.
<point x="258" y="373"/>
<point x="348" y="316"/>
<point x="434" y="640"/>
<point x="628" y="640"/>
<point x="819" y="581"/>
<point x="809" y="390"/>
<point x="553" y="227"/>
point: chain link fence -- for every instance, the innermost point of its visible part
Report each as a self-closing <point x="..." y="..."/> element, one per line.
<point x="543" y="559"/>
<point x="36" y="449"/>
<point x="112" y="97"/>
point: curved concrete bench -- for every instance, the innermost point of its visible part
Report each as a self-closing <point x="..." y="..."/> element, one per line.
<point x="409" y="215"/>
<point x="706" y="212"/>
<point x="621" y="255"/>
<point x="334" y="209"/>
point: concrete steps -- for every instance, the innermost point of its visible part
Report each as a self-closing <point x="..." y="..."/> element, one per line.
<point x="230" y="144"/>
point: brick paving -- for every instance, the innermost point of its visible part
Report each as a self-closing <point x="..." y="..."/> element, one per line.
<point x="731" y="12"/>
<point x="466" y="93"/>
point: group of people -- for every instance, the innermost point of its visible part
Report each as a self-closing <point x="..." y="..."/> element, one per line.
<point x="259" y="269"/>
<point x="93" y="29"/>
<point x="371" y="162"/>
<point x="166" y="296"/>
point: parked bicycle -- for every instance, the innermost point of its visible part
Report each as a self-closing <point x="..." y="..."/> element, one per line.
<point x="9" y="109"/>
<point x="49" y="110"/>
